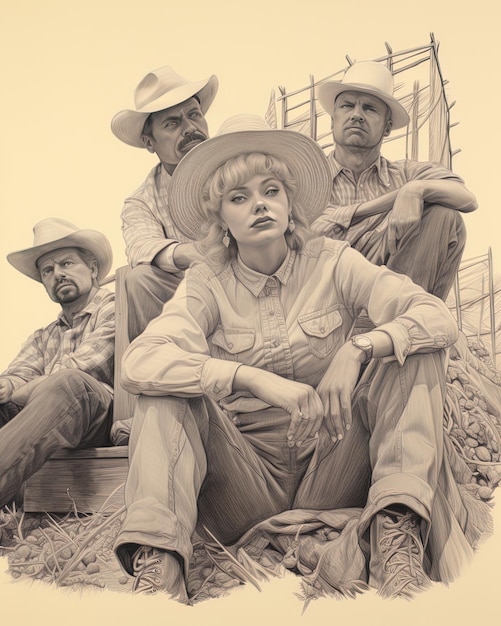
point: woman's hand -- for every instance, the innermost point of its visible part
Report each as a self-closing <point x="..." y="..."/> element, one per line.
<point x="301" y="401"/>
<point x="336" y="387"/>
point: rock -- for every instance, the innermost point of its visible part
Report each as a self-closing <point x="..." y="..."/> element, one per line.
<point x="485" y="493"/>
<point x="483" y="454"/>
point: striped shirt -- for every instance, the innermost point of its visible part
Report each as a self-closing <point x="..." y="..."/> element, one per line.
<point x="380" y="178"/>
<point x="147" y="226"/>
<point x="87" y="345"/>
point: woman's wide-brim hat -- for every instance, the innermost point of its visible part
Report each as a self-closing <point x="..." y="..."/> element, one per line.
<point x="239" y="135"/>
<point x="159" y="90"/>
<point x="54" y="233"/>
<point x="369" y="77"/>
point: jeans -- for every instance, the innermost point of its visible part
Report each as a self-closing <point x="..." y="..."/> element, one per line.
<point x="194" y="466"/>
<point x="69" y="409"/>
<point x="429" y="253"/>
<point x="148" y="289"/>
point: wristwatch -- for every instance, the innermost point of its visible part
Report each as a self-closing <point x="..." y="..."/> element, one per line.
<point x="362" y="342"/>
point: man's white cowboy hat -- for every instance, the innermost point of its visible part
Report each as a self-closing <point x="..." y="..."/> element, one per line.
<point x="366" y="77"/>
<point x="54" y="233"/>
<point x="159" y="90"/>
<point x="243" y="134"/>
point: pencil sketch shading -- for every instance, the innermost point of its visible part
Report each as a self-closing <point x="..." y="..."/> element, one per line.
<point x="302" y="404"/>
<point x="57" y="392"/>
<point x="169" y="120"/>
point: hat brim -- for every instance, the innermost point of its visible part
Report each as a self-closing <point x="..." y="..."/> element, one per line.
<point x="128" y="125"/>
<point x="303" y="156"/>
<point x="92" y="240"/>
<point x="329" y="91"/>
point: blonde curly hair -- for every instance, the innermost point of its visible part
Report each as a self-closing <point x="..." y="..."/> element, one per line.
<point x="232" y="174"/>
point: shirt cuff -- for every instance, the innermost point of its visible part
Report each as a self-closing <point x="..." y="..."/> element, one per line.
<point x="400" y="337"/>
<point x="217" y="377"/>
<point x="168" y="264"/>
<point x="342" y="215"/>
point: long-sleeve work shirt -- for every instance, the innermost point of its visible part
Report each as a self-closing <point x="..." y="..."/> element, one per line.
<point x="290" y="323"/>
<point x="87" y="345"/>
<point x="380" y="178"/>
<point x="147" y="226"/>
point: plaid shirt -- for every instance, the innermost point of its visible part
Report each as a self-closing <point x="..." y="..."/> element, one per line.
<point x="380" y="178"/>
<point x="88" y="345"/>
<point x="147" y="226"/>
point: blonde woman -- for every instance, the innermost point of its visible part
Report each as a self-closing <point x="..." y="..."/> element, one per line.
<point x="253" y="397"/>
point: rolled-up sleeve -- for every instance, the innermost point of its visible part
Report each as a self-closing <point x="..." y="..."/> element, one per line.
<point x="172" y="357"/>
<point x="143" y="234"/>
<point x="334" y="220"/>
<point x="415" y="320"/>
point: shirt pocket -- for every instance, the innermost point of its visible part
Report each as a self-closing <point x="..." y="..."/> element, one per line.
<point x="323" y="330"/>
<point x="231" y="343"/>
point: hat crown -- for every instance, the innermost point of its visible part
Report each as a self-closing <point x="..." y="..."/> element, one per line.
<point x="242" y="122"/>
<point x="156" y="84"/>
<point x="373" y="75"/>
<point x="51" y="229"/>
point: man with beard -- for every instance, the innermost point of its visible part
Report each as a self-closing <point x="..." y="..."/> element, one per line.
<point x="403" y="214"/>
<point x="57" y="392"/>
<point x="168" y="120"/>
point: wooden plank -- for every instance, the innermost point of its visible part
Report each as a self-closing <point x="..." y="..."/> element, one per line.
<point x="61" y="485"/>
<point x="123" y="402"/>
<point x="93" y="453"/>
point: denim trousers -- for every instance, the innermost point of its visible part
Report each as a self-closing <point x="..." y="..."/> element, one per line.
<point x="69" y="409"/>
<point x="429" y="252"/>
<point x="148" y="289"/>
<point x="193" y="466"/>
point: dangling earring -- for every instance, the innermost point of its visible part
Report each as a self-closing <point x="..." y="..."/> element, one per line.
<point x="226" y="239"/>
<point x="292" y="226"/>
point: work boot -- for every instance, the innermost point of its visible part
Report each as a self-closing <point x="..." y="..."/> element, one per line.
<point x="158" y="570"/>
<point x="397" y="553"/>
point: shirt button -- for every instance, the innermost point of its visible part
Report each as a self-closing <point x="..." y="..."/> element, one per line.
<point x="230" y="346"/>
<point x="272" y="313"/>
<point x="322" y="329"/>
<point x="276" y="343"/>
<point x="216" y="389"/>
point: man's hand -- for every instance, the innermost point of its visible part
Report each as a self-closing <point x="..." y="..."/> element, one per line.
<point x="336" y="387"/>
<point x="6" y="389"/>
<point x="406" y="212"/>
<point x="301" y="401"/>
<point x="22" y="395"/>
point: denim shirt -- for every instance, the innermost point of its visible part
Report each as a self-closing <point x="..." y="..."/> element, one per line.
<point x="290" y="323"/>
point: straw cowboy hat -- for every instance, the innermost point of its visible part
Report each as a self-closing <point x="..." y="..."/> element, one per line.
<point x="243" y="134"/>
<point x="366" y="77"/>
<point x="53" y="234"/>
<point x="159" y="90"/>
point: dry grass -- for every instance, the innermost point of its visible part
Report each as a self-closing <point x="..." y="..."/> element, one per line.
<point x="76" y="550"/>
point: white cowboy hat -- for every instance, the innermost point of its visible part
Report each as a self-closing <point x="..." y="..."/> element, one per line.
<point x="54" y="233"/>
<point x="243" y="134"/>
<point x="366" y="77"/>
<point x="159" y="90"/>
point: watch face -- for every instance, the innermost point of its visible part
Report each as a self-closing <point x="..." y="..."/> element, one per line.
<point x="363" y="342"/>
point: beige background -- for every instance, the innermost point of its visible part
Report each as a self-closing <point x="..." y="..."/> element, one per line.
<point x="67" y="67"/>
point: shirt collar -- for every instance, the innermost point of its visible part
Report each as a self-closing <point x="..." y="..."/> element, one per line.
<point x="88" y="309"/>
<point x="380" y="165"/>
<point x="255" y="281"/>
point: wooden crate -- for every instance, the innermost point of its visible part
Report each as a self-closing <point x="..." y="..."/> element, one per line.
<point x="79" y="478"/>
